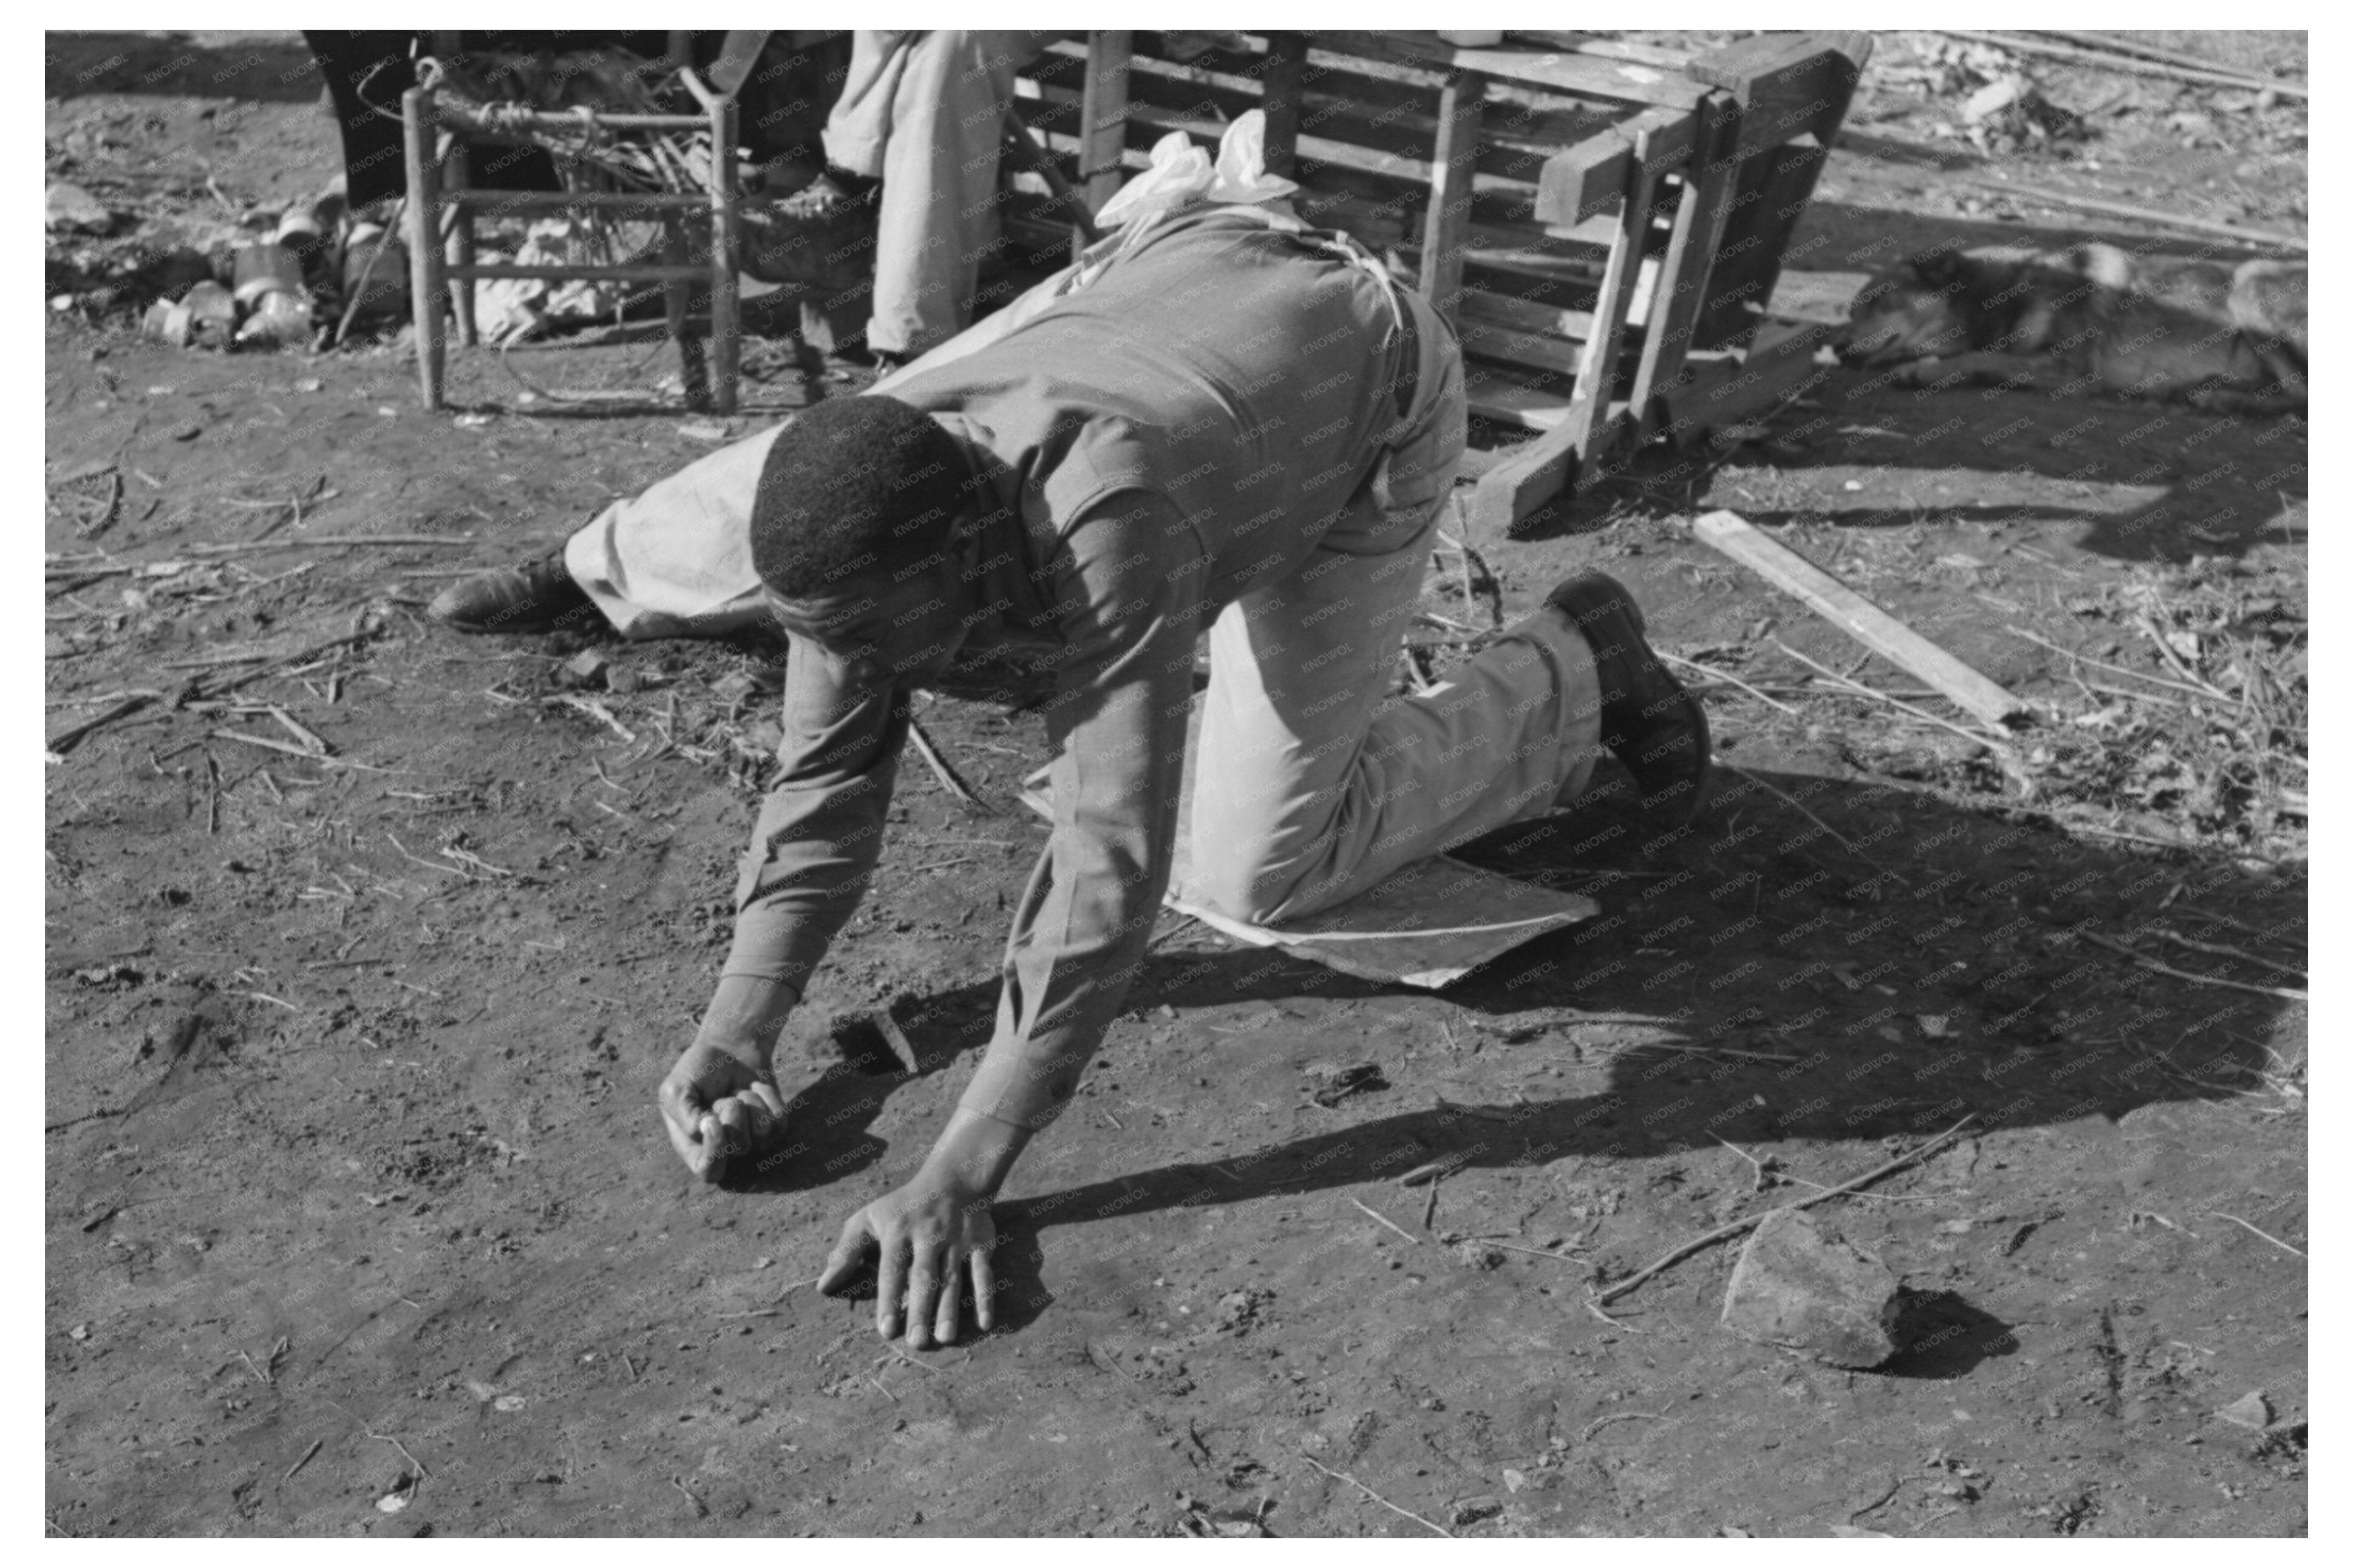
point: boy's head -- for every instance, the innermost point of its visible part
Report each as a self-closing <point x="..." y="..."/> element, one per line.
<point x="855" y="530"/>
<point x="854" y="487"/>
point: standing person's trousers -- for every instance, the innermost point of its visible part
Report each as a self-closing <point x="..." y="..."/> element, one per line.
<point x="925" y="113"/>
<point x="1313" y="783"/>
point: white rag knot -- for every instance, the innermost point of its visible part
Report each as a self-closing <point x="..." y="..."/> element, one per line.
<point x="1181" y="174"/>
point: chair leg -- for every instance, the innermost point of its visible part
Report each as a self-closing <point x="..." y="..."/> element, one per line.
<point x="460" y="246"/>
<point x="427" y="292"/>
<point x="724" y="307"/>
<point x="676" y="302"/>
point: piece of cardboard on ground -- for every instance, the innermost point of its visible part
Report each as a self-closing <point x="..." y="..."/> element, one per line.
<point x="1428" y="925"/>
<point x="1425" y="925"/>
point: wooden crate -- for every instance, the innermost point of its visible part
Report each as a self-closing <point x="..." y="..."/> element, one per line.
<point x="1601" y="222"/>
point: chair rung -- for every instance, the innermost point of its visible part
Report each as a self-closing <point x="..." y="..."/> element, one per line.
<point x="647" y="273"/>
<point x="478" y="199"/>
<point x="508" y="118"/>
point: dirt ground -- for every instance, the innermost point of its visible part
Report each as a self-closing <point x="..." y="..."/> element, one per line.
<point x="359" y="1219"/>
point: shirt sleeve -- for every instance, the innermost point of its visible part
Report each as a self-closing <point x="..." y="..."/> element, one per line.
<point x="1133" y="596"/>
<point x="820" y="829"/>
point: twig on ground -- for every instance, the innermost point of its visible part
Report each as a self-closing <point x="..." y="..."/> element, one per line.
<point x="1701" y="1050"/>
<point x="2282" y="992"/>
<point x="1340" y="1476"/>
<point x="2018" y="191"/>
<point x="2224" y="950"/>
<point x="294" y="751"/>
<point x="265" y="996"/>
<point x="1534" y="1251"/>
<point x="1433" y="1171"/>
<point x="1754" y="1164"/>
<point x="1387" y="1221"/>
<point x="2116" y="57"/>
<point x="1594" y="1308"/>
<point x="367" y="272"/>
<point x="66" y="741"/>
<point x="420" y="860"/>
<point x="949" y="779"/>
<point x="1794" y="803"/>
<point x="340" y="541"/>
<point x="2174" y="661"/>
<point x="1727" y="677"/>
<point x="1429" y="1209"/>
<point x="2274" y="1240"/>
<point x="596" y="710"/>
<point x="1593" y="1426"/>
<point x="1724" y="1231"/>
<point x="1883" y="1500"/>
<point x="1991" y="744"/>
<point x="308" y="1455"/>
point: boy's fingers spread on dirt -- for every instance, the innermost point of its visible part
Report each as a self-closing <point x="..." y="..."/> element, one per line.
<point x="843" y="1259"/>
<point x="891" y="1284"/>
<point x="944" y="1321"/>
<point x="923" y="1294"/>
<point x="984" y="1291"/>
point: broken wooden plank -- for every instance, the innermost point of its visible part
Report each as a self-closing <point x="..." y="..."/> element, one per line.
<point x="1583" y="182"/>
<point x="1787" y="84"/>
<point x="1578" y="76"/>
<point x="1446" y="224"/>
<point x="1719" y="393"/>
<point x="1858" y="617"/>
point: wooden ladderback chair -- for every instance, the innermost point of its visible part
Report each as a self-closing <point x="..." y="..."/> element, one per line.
<point x="443" y="202"/>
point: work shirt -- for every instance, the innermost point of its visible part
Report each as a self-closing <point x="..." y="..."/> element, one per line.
<point x="1187" y="428"/>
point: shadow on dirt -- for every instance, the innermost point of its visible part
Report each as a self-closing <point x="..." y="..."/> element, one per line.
<point x="1785" y="986"/>
<point x="262" y="68"/>
<point x="1945" y="1338"/>
<point x="2224" y="482"/>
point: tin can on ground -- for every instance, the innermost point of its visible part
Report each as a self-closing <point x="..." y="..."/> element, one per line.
<point x="375" y="275"/>
<point x="263" y="267"/>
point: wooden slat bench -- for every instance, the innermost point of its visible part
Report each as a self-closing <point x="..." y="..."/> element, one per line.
<point x="1602" y="222"/>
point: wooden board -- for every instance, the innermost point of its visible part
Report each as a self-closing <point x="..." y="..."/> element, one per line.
<point x="1857" y="617"/>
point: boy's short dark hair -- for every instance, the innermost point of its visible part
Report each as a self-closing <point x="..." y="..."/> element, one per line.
<point x="853" y="484"/>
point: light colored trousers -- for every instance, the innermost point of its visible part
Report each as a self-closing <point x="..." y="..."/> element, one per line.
<point x="1313" y="782"/>
<point x="925" y="113"/>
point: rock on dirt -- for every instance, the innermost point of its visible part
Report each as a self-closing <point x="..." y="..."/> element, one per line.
<point x="72" y="209"/>
<point x="1798" y="1287"/>
<point x="2251" y="1410"/>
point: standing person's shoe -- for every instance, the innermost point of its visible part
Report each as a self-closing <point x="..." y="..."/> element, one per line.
<point x="821" y="236"/>
<point x="540" y="596"/>
<point x="1655" y="729"/>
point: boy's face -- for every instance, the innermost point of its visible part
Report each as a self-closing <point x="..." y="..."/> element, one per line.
<point x="883" y="632"/>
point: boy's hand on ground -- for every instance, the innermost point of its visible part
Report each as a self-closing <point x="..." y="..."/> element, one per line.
<point x="927" y="1233"/>
<point x="719" y="1105"/>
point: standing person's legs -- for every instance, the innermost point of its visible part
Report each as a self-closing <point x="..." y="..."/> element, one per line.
<point x="1313" y="783"/>
<point x="938" y="164"/>
<point x="857" y="130"/>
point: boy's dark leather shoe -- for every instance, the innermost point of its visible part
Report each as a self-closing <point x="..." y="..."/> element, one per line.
<point x="516" y="601"/>
<point x="1653" y="727"/>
